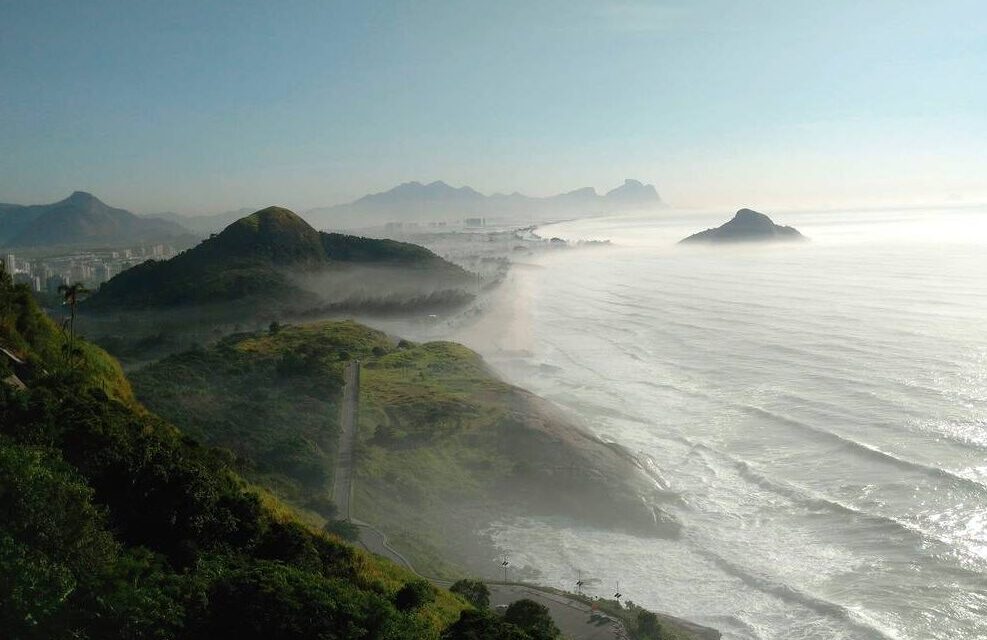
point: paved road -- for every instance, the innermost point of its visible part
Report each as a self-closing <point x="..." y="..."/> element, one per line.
<point x="342" y="483"/>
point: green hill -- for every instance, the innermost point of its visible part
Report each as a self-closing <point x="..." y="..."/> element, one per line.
<point x="275" y="258"/>
<point x="444" y="446"/>
<point x="114" y="524"/>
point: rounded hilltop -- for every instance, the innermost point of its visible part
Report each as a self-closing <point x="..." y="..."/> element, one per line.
<point x="746" y="225"/>
<point x="276" y="233"/>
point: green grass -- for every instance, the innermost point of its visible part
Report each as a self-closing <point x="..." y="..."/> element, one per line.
<point x="122" y="527"/>
<point x="431" y="416"/>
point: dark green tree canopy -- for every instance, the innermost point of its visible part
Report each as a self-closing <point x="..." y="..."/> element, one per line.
<point x="532" y="618"/>
<point x="473" y="591"/>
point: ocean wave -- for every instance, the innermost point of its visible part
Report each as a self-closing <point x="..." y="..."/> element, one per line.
<point x="811" y="499"/>
<point x="870" y="451"/>
<point x="862" y="627"/>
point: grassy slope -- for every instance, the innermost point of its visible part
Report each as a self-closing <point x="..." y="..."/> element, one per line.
<point x="444" y="446"/>
<point x="39" y="424"/>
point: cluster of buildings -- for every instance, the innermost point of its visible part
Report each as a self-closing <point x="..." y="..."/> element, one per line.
<point x="91" y="268"/>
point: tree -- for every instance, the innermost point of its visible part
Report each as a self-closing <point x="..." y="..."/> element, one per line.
<point x="473" y="591"/>
<point x="648" y="625"/>
<point x="345" y="529"/>
<point x="532" y="618"/>
<point x="482" y="625"/>
<point x="71" y="293"/>
<point x="414" y="595"/>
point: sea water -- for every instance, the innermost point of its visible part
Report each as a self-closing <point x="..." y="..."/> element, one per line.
<point x="820" y="409"/>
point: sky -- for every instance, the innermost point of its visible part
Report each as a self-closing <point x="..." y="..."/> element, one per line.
<point x="202" y="106"/>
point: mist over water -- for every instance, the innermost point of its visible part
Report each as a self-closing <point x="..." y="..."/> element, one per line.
<point x="820" y="408"/>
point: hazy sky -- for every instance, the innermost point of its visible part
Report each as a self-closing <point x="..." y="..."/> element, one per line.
<point x="199" y="106"/>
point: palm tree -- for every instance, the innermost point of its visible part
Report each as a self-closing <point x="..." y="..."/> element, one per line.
<point x="71" y="293"/>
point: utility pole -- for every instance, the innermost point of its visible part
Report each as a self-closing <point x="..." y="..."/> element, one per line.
<point x="505" y="564"/>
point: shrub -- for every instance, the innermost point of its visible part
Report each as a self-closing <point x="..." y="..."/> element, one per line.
<point x="345" y="529"/>
<point x="414" y="595"/>
<point x="532" y="618"/>
<point x="473" y="591"/>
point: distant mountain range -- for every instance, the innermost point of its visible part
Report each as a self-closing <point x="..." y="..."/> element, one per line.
<point x="417" y="202"/>
<point x="83" y="220"/>
<point x="746" y="226"/>
<point x="275" y="256"/>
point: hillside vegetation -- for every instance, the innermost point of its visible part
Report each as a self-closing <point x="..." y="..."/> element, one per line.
<point x="444" y="446"/>
<point x="275" y="260"/>
<point x="114" y="524"/>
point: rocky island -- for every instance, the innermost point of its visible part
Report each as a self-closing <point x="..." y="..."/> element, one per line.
<point x="746" y="226"/>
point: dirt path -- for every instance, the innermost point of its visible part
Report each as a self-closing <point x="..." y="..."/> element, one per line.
<point x="342" y="483"/>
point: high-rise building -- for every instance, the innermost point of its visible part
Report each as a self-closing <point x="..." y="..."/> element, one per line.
<point x="10" y="263"/>
<point x="102" y="272"/>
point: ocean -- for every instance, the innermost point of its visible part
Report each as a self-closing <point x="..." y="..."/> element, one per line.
<point x="819" y="408"/>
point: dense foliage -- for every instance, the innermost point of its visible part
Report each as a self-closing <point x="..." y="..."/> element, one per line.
<point x="472" y="591"/>
<point x="532" y="618"/>
<point x="261" y="255"/>
<point x="115" y="525"/>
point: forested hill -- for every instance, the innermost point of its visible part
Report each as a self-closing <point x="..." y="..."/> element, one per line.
<point x="115" y="525"/>
<point x="276" y="255"/>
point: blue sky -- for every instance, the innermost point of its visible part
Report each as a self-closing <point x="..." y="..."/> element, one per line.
<point x="203" y="106"/>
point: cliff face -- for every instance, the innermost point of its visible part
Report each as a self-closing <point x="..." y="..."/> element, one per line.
<point x="746" y="226"/>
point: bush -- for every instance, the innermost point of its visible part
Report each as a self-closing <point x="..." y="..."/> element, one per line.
<point x="648" y="625"/>
<point x="345" y="529"/>
<point x="532" y="618"/>
<point x="414" y="595"/>
<point x="483" y="625"/>
<point x="473" y="591"/>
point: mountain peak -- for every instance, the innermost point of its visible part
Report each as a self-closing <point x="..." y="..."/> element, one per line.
<point x="275" y="233"/>
<point x="81" y="198"/>
<point x="634" y="191"/>
<point x="751" y="218"/>
<point x="273" y="217"/>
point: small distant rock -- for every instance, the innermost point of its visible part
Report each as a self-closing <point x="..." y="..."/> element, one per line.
<point x="746" y="226"/>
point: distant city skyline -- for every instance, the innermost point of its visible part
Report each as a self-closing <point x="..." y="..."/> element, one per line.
<point x="204" y="107"/>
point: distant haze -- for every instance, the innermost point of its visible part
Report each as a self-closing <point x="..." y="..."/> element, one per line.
<point x="207" y="107"/>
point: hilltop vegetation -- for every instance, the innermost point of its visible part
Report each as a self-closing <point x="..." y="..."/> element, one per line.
<point x="114" y="524"/>
<point x="274" y="259"/>
<point x="444" y="445"/>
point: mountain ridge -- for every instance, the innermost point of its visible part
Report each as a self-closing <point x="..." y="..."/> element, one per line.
<point x="82" y="219"/>
<point x="416" y="201"/>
